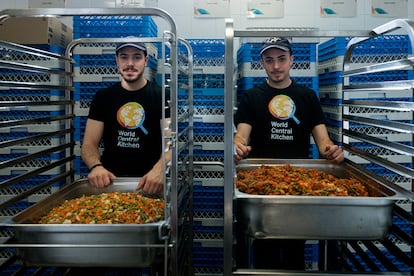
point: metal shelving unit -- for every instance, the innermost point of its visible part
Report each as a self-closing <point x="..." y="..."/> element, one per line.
<point x="178" y="178"/>
<point x="368" y="128"/>
<point x="386" y="256"/>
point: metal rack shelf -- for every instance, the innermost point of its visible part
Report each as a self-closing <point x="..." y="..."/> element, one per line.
<point x="178" y="180"/>
<point x="365" y="266"/>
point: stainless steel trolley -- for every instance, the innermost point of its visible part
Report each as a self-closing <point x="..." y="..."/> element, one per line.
<point x="376" y="247"/>
<point x="168" y="242"/>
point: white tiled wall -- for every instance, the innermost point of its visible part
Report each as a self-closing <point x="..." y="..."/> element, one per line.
<point x="189" y="27"/>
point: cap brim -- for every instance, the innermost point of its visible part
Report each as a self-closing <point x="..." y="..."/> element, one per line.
<point x="136" y="46"/>
<point x="274" y="46"/>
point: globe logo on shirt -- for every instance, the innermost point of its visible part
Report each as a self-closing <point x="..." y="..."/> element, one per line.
<point x="131" y="116"/>
<point x="283" y="107"/>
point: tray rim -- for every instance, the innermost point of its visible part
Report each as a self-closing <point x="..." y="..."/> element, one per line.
<point x="399" y="193"/>
<point x="119" y="181"/>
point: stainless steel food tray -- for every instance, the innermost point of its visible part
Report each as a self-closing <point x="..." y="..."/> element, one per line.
<point x="120" y="245"/>
<point x="317" y="217"/>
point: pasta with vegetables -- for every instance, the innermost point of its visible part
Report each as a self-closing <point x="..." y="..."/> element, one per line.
<point x="107" y="208"/>
<point x="290" y="180"/>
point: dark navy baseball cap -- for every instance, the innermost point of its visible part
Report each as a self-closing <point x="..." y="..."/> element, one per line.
<point x="276" y="42"/>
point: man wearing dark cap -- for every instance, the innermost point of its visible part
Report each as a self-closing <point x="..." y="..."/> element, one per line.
<point x="275" y="120"/>
<point x="127" y="117"/>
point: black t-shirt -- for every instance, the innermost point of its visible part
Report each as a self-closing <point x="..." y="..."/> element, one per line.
<point x="132" y="136"/>
<point x="282" y="120"/>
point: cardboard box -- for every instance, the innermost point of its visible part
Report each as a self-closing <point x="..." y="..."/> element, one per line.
<point x="36" y="30"/>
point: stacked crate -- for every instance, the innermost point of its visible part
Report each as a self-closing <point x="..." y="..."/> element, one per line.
<point x="330" y="59"/>
<point x="374" y="51"/>
<point x="304" y="70"/>
<point x="380" y="49"/>
<point x="208" y="200"/>
<point x="35" y="113"/>
<point x="95" y="66"/>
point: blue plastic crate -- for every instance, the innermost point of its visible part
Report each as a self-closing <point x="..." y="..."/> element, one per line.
<point x="366" y="147"/>
<point x="402" y="224"/>
<point x="26" y="76"/>
<point x="331" y="78"/>
<point x="313" y="151"/>
<point x="208" y="131"/>
<point x="199" y="98"/>
<point x="311" y="253"/>
<point x="199" y="152"/>
<point x="208" y="206"/>
<point x="99" y="21"/>
<point x="382" y="45"/>
<point x="212" y="49"/>
<point x="200" y="45"/>
<point x="304" y="52"/>
<point x="394" y="260"/>
<point x="152" y="63"/>
<point x="13" y="268"/>
<point x="207" y="256"/>
<point x="17" y="135"/>
<point x="106" y="60"/>
<point x="385" y="45"/>
<point x="212" y="153"/>
<point x="208" y="81"/>
<point x="331" y="122"/>
<point x="247" y="83"/>
<point x="395" y="75"/>
<point x="114" y="26"/>
<point x="332" y="48"/>
<point x="311" y="82"/>
<point x="208" y="126"/>
<point x="206" y="48"/>
<point x="23" y="114"/>
<point x="113" y="32"/>
<point x="201" y="81"/>
<point x="32" y="95"/>
<point x="44" y="47"/>
<point x="367" y="128"/>
<point x="167" y="50"/>
<point x="94" y="60"/>
<point x="84" y="91"/>
<point x="80" y="166"/>
<point x="209" y="102"/>
<point x="200" y="228"/>
<point x="39" y="143"/>
<point x="15" y="208"/>
<point x="79" y="125"/>
<point x="208" y="192"/>
<point x="208" y="91"/>
<point x="381" y="171"/>
<point x="48" y="156"/>
<point x="31" y="182"/>
<point x="326" y="100"/>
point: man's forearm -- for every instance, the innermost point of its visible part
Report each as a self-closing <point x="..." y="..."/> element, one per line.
<point x="160" y="161"/>
<point x="239" y="139"/>
<point x="90" y="156"/>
